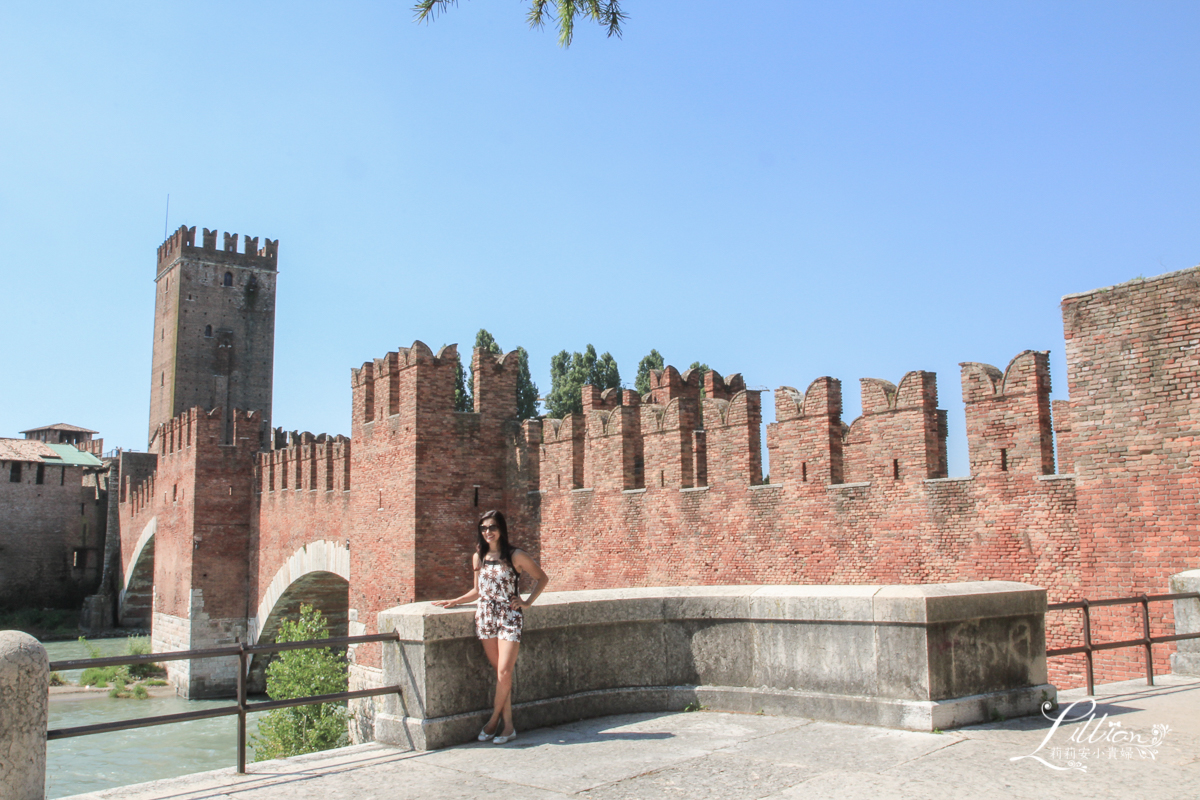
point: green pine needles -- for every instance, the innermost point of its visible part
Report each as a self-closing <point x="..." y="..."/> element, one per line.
<point x="606" y="13"/>
<point x="286" y="732"/>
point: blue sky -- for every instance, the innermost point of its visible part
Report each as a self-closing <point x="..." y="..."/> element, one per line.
<point x="782" y="189"/>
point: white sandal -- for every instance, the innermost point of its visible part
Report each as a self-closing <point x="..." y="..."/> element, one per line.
<point x="484" y="735"/>
<point x="505" y="739"/>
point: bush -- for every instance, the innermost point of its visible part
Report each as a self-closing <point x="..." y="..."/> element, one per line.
<point x="288" y="732"/>
<point x="97" y="676"/>
<point x="140" y="646"/>
<point x="57" y="680"/>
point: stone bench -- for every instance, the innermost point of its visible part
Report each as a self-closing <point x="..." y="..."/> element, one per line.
<point x="925" y="657"/>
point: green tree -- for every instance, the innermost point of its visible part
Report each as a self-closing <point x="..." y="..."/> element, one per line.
<point x="527" y="391"/>
<point x="487" y="342"/>
<point x="570" y="372"/>
<point x="607" y="13"/>
<point x="649" y="363"/>
<point x="462" y="395"/>
<point x="288" y="732"/>
<point x="701" y="368"/>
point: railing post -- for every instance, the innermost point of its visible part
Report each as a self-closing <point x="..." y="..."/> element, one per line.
<point x="1146" y="634"/>
<point x="24" y="706"/>
<point x="241" y="699"/>
<point x="1087" y="644"/>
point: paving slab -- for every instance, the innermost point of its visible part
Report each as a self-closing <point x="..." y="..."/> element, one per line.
<point x="1140" y="742"/>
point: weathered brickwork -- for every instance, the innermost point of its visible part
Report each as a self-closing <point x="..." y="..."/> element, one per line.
<point x="197" y="511"/>
<point x="51" y="534"/>
<point x="1133" y="362"/>
<point x="667" y="488"/>
<point x="214" y="326"/>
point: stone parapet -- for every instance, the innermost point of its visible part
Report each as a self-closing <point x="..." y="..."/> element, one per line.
<point x="926" y="657"/>
<point x="1186" y="658"/>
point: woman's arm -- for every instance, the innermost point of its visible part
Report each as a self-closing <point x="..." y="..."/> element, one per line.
<point x="469" y="597"/>
<point x="523" y="563"/>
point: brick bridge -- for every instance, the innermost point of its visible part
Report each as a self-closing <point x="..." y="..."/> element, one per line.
<point x="231" y="532"/>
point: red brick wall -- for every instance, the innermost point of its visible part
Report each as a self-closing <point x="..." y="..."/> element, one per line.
<point x="41" y="527"/>
<point x="213" y="344"/>
<point x="202" y="496"/>
<point x="314" y="506"/>
<point x="666" y="489"/>
<point x="1133" y="369"/>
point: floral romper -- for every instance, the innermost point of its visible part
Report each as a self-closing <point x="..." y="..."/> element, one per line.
<point x="495" y="618"/>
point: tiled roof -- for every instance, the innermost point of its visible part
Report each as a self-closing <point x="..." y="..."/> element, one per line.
<point x="28" y="450"/>
<point x="62" y="426"/>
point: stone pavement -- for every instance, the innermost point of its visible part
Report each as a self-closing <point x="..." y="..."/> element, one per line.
<point x="717" y="755"/>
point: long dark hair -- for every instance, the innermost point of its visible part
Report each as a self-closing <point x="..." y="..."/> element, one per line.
<point x="481" y="545"/>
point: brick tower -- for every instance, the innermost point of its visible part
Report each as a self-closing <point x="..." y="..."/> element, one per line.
<point x="214" y="328"/>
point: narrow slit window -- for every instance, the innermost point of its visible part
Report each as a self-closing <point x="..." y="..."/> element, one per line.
<point x="14" y="472"/>
<point x="804" y="471"/>
<point x="1004" y="459"/>
<point x="41" y="474"/>
<point x="895" y="469"/>
<point x="477" y="497"/>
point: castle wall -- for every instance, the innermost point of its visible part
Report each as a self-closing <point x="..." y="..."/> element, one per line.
<point x="51" y="535"/>
<point x="667" y="489"/>
<point x="1133" y="368"/>
<point x="898" y="523"/>
<point x="303" y="497"/>
<point x="199" y="505"/>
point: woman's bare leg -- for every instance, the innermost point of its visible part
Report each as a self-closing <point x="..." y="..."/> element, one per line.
<point x="492" y="651"/>
<point x="506" y="660"/>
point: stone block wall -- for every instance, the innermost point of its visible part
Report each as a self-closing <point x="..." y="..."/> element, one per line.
<point x="924" y="657"/>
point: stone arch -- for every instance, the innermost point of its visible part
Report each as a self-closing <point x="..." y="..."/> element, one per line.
<point x="316" y="574"/>
<point x="135" y="603"/>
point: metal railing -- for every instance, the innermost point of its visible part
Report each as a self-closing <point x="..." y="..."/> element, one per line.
<point x="243" y="652"/>
<point x="1146" y="641"/>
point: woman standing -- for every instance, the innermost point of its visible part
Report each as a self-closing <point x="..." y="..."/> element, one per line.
<point x="499" y="616"/>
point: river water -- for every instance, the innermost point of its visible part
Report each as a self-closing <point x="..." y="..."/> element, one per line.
<point x="104" y="760"/>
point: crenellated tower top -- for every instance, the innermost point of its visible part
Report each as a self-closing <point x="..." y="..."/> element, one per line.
<point x="183" y="243"/>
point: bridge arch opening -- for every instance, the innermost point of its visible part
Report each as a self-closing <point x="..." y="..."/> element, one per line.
<point x="317" y="575"/>
<point x="135" y="604"/>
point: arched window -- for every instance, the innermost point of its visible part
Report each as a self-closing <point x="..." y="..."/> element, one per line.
<point x="208" y="331"/>
<point x="228" y="279"/>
